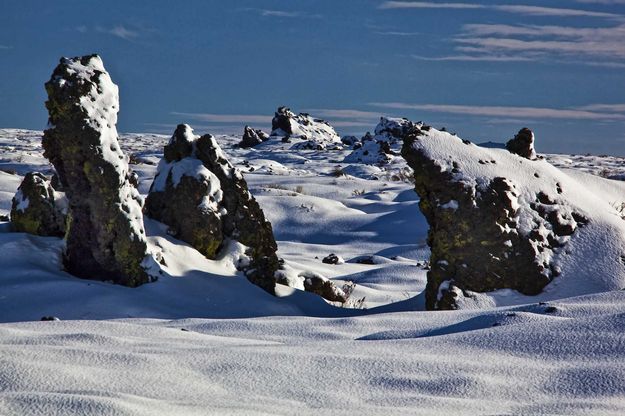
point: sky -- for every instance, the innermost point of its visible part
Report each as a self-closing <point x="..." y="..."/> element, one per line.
<point x="483" y="69"/>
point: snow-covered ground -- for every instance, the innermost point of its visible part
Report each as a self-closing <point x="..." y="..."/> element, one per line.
<point x="203" y="340"/>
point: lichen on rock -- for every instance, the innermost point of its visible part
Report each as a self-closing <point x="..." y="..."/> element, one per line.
<point x="205" y="202"/>
<point x="37" y="208"/>
<point x="105" y="239"/>
<point x="490" y="227"/>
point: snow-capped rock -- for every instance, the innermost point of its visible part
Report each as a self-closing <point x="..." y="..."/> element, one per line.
<point x="501" y="221"/>
<point x="316" y="134"/>
<point x="37" y="208"/>
<point x="106" y="238"/>
<point x="371" y="152"/>
<point x="252" y="137"/>
<point x="393" y="130"/>
<point x="522" y="144"/>
<point x="205" y="202"/>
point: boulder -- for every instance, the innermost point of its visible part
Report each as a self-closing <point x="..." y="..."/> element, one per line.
<point x="392" y="130"/>
<point x="322" y="286"/>
<point x="252" y="137"/>
<point x="522" y="144"/>
<point x="205" y="202"/>
<point x="37" y="208"/>
<point x="105" y="237"/>
<point x="371" y="151"/>
<point x="316" y="134"/>
<point x="332" y="259"/>
<point x="493" y="223"/>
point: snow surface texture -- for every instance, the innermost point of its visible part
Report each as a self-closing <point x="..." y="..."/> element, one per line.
<point x="244" y="352"/>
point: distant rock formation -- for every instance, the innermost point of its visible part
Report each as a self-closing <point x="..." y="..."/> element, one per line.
<point x="37" y="208"/>
<point x="393" y="130"/>
<point x="370" y="151"/>
<point x="495" y="221"/>
<point x="205" y="202"/>
<point x="316" y="134"/>
<point x="522" y="144"/>
<point x="105" y="239"/>
<point x="252" y="137"/>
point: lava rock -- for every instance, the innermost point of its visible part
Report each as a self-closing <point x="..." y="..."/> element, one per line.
<point x="105" y="237"/>
<point x="316" y="134"/>
<point x="252" y="137"/>
<point x="205" y="202"/>
<point x="37" y="209"/>
<point x="322" y="286"/>
<point x="522" y="144"/>
<point x="371" y="152"/>
<point x="477" y="244"/>
<point x="332" y="259"/>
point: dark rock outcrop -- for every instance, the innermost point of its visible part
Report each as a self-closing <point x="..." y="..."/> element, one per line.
<point x="105" y="237"/>
<point x="205" y="202"/>
<point x="314" y="133"/>
<point x="522" y="144"/>
<point x="322" y="286"/>
<point x="252" y="137"/>
<point x="482" y="237"/>
<point x="371" y="151"/>
<point x="37" y="208"/>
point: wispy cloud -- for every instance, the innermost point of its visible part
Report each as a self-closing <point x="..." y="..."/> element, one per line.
<point x="5" y="47"/>
<point x="225" y="118"/>
<point x="518" y="9"/>
<point x="473" y="58"/>
<point x="615" y="108"/>
<point x="577" y="113"/>
<point x="123" y="32"/>
<point x="120" y="31"/>
<point x="343" y="113"/>
<point x="280" y="13"/>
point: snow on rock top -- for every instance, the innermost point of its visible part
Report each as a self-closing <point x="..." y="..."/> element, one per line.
<point x="316" y="134"/>
<point x="205" y="202"/>
<point x="498" y="220"/>
<point x="106" y="239"/>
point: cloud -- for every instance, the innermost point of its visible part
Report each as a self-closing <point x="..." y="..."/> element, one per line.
<point x="344" y="113"/>
<point x="517" y="9"/>
<point x="473" y="58"/>
<point x="5" y="47"/>
<point x="123" y="32"/>
<point x="507" y="112"/>
<point x="280" y="13"/>
<point x="225" y="118"/>
<point x="615" y="108"/>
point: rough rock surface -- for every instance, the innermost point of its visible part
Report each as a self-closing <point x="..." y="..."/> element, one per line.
<point x="252" y="137"/>
<point x="493" y="223"/>
<point x="37" y="208"/>
<point x="393" y="130"/>
<point x="105" y="238"/>
<point x="205" y="201"/>
<point x="371" y="151"/>
<point x="522" y="144"/>
<point x="322" y="286"/>
<point x="316" y="134"/>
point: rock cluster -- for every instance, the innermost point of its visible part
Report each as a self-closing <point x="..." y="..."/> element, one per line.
<point x="311" y="133"/>
<point x="484" y="234"/>
<point x="393" y="130"/>
<point x="252" y="137"/>
<point x="105" y="237"/>
<point x="522" y="144"/>
<point x="205" y="202"/>
<point x="370" y="151"/>
<point x="37" y="208"/>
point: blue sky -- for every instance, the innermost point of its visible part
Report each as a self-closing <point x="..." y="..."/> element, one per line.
<point x="483" y="69"/>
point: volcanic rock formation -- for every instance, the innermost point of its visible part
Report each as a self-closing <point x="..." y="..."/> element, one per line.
<point x="522" y="144"/>
<point x="496" y="221"/>
<point x="37" y="208"/>
<point x="105" y="238"/>
<point x="314" y="133"/>
<point x="252" y="137"/>
<point x="205" y="202"/>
